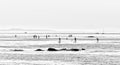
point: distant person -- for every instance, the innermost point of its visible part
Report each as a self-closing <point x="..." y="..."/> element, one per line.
<point x="38" y="37"/>
<point x="34" y="36"/>
<point x="97" y="40"/>
<point x="47" y="36"/>
<point x="15" y="35"/>
<point x="59" y="40"/>
<point x="75" y="39"/>
<point x="69" y="35"/>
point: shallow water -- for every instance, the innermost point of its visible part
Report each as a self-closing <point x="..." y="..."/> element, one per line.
<point x="95" y="54"/>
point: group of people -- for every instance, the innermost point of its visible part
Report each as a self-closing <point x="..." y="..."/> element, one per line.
<point x="74" y="38"/>
<point x="38" y="37"/>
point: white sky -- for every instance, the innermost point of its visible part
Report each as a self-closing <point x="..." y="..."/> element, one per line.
<point x="60" y="14"/>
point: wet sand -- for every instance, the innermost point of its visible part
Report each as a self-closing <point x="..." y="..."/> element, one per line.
<point x="95" y="54"/>
<point x="73" y="59"/>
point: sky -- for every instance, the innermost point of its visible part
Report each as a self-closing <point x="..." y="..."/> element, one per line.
<point x="60" y="14"/>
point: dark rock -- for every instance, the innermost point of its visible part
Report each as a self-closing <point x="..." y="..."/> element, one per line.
<point x="91" y="36"/>
<point x="82" y="49"/>
<point x="64" y="49"/>
<point x="73" y="49"/>
<point x="39" y="50"/>
<point x="52" y="49"/>
<point x="18" y="50"/>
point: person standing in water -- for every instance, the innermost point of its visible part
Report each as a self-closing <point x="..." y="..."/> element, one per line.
<point x="97" y="40"/>
<point x="75" y="39"/>
<point x="59" y="40"/>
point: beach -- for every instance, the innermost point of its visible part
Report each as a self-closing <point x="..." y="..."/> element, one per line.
<point x="94" y="54"/>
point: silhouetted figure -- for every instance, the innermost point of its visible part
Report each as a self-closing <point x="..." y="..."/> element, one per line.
<point x="69" y="35"/>
<point x="52" y="49"/>
<point x="39" y="50"/>
<point x="38" y="37"/>
<point x="97" y="40"/>
<point x="15" y="35"/>
<point x="34" y="36"/>
<point x="46" y="36"/>
<point x="66" y="38"/>
<point x="59" y="40"/>
<point x="75" y="39"/>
